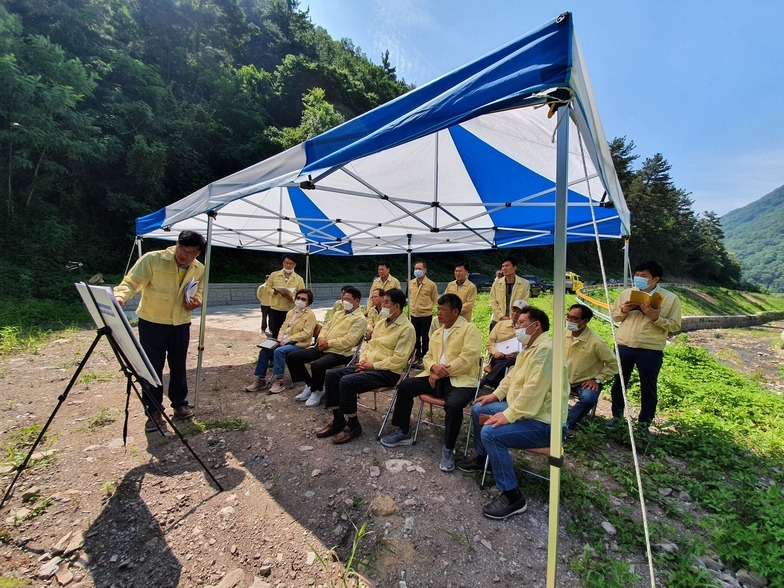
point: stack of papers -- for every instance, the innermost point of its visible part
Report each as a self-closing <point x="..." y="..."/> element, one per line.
<point x="190" y="290"/>
<point x="508" y="346"/>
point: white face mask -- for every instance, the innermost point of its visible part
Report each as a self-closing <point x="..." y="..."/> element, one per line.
<point x="419" y="273"/>
<point x="572" y="326"/>
<point x="287" y="271"/>
<point x="347" y="306"/>
<point x="300" y="304"/>
<point x="384" y="311"/>
<point x="522" y="336"/>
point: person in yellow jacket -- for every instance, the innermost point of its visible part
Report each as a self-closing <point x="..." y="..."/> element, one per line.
<point x="164" y="313"/>
<point x="641" y="338"/>
<point x="506" y="289"/>
<point x="380" y="364"/>
<point x="296" y="334"/>
<point x="281" y="286"/>
<point x="464" y="288"/>
<point x="422" y="297"/>
<point x="334" y="347"/>
<point x="451" y="372"/>
<point x="519" y="412"/>
<point x="385" y="280"/>
<point x="265" y="297"/>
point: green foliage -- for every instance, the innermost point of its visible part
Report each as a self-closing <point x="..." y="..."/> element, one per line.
<point x="753" y="235"/>
<point x="18" y="445"/>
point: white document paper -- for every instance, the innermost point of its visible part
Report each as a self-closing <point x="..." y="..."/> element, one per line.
<point x="508" y="346"/>
<point x="190" y="290"/>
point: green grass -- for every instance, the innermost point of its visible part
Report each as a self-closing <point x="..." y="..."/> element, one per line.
<point x="18" y="446"/>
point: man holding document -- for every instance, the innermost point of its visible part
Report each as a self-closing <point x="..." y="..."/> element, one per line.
<point x="171" y="283"/>
<point x="502" y="347"/>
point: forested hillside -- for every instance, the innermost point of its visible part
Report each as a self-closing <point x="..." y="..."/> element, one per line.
<point x="110" y="109"/>
<point x="754" y="235"/>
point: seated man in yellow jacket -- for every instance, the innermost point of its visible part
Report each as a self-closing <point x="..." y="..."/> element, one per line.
<point x="336" y="340"/>
<point x="380" y="364"/>
<point x="520" y="413"/>
<point x="165" y="318"/>
<point x="451" y="372"/>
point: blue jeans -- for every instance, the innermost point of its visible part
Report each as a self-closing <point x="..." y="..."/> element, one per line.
<point x="278" y="360"/>
<point x="587" y="399"/>
<point x="496" y="441"/>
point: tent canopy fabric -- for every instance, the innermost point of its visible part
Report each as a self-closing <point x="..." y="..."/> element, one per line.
<point x="464" y="162"/>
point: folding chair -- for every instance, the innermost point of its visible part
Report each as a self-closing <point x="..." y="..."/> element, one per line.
<point x="545" y="451"/>
<point x="432" y="401"/>
<point x="393" y="389"/>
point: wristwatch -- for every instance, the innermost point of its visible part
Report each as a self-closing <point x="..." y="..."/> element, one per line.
<point x="598" y="381"/>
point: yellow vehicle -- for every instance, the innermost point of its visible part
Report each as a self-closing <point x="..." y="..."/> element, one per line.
<point x="573" y="282"/>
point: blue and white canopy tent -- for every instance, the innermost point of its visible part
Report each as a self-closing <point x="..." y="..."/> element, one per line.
<point x="475" y="159"/>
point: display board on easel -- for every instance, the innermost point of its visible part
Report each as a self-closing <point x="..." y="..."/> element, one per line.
<point x="106" y="311"/>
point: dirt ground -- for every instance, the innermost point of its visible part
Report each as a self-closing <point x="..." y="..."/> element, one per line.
<point x="92" y="511"/>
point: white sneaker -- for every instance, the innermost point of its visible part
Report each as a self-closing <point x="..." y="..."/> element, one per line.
<point x="315" y="398"/>
<point x="304" y="395"/>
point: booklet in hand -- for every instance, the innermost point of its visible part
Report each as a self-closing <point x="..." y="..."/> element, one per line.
<point x="190" y="290"/>
<point x="268" y="344"/>
<point x="287" y="293"/>
<point x="638" y="296"/>
<point x="509" y="346"/>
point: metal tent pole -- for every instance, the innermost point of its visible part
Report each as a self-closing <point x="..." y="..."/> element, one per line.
<point x="559" y="303"/>
<point x="202" y="324"/>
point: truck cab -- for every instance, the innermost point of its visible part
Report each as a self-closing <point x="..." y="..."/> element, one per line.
<point x="573" y="282"/>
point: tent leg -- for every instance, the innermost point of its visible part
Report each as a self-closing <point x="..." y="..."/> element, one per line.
<point x="205" y="298"/>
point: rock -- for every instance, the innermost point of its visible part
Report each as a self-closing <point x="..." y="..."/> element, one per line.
<point x="382" y="505"/>
<point x="487" y="544"/>
<point x="59" y="547"/>
<point x="310" y="494"/>
<point x="92" y="448"/>
<point x="226" y="511"/>
<point x="668" y="547"/>
<point x="259" y="583"/>
<point x="232" y="579"/>
<point x="684" y="496"/>
<point x="375" y="471"/>
<point x="315" y="472"/>
<point x="76" y="542"/>
<point x="50" y="568"/>
<point x="265" y="570"/>
<point x="665" y="491"/>
<point x="608" y="528"/>
<point x="752" y="579"/>
<point x="710" y="563"/>
<point x="304" y="448"/>
<point x="395" y="466"/>
<point x="31" y="494"/>
<point x="64" y="576"/>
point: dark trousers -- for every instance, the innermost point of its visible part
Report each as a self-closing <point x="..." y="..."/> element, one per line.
<point x="422" y="333"/>
<point x="276" y="320"/>
<point x="164" y="343"/>
<point x="344" y="384"/>
<point x="649" y="363"/>
<point x="455" y="399"/>
<point x="498" y="367"/>
<point x="319" y="362"/>
<point x="264" y="317"/>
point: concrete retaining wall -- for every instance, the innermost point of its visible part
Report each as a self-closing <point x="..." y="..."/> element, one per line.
<point x="695" y="323"/>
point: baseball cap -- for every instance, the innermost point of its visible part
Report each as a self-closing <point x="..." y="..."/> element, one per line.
<point x="521" y="304"/>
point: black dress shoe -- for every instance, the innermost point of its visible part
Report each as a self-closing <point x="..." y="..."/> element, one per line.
<point x="502" y="508"/>
<point x="331" y="429"/>
<point x="347" y="434"/>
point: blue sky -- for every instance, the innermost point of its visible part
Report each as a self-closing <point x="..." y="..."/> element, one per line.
<point x="699" y="82"/>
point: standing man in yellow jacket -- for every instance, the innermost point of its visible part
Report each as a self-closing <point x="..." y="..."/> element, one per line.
<point x="281" y="287"/>
<point x="422" y="297"/>
<point x="164" y="313"/>
<point x="464" y="288"/>
<point x="506" y="289"/>
<point x="264" y="295"/>
<point x="641" y="339"/>
<point x="451" y="372"/>
<point x="385" y="280"/>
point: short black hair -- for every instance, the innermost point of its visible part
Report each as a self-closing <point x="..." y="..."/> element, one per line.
<point x="586" y="312"/>
<point x="510" y="259"/>
<point x="354" y="292"/>
<point x="452" y="301"/>
<point x="379" y="290"/>
<point x="462" y="264"/>
<point x="384" y="263"/>
<point x="309" y="293"/>
<point x="192" y="239"/>
<point x="537" y="316"/>
<point x="345" y="288"/>
<point x="289" y="256"/>
<point x="656" y="270"/>
<point x="397" y="296"/>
